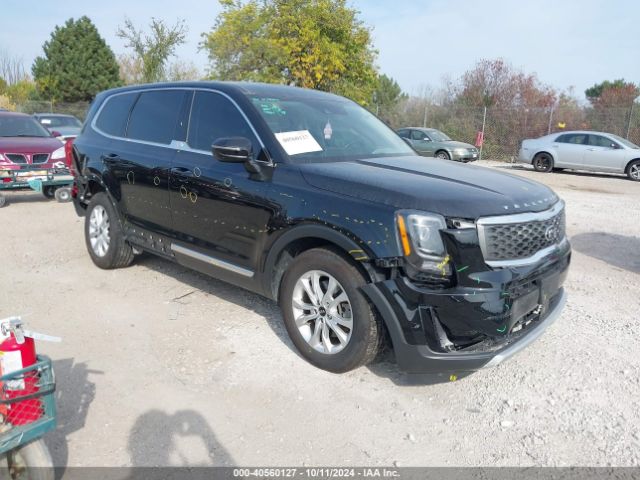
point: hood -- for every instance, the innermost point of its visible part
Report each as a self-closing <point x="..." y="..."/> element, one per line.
<point x="29" y="144"/>
<point x="440" y="186"/>
<point x="455" y="144"/>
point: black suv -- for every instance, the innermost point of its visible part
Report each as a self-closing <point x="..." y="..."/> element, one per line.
<point x="308" y="199"/>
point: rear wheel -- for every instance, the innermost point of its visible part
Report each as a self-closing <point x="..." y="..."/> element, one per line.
<point x="441" y="154"/>
<point x="28" y="462"/>
<point x="63" y="194"/>
<point x="328" y="319"/>
<point x="633" y="171"/>
<point x="543" y="162"/>
<point x="3" y="201"/>
<point x="103" y="235"/>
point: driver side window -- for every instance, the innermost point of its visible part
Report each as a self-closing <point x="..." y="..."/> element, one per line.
<point x="213" y="116"/>
<point x="418" y="135"/>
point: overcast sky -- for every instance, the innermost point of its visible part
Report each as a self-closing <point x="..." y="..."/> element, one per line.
<point x="567" y="43"/>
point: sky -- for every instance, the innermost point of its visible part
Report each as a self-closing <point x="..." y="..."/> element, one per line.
<point x="571" y="43"/>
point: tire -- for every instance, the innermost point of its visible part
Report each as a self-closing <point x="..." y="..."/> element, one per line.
<point x="3" y="201"/>
<point x="63" y="195"/>
<point x="633" y="171"/>
<point x="48" y="191"/>
<point x="31" y="461"/>
<point x="543" y="162"/>
<point x="442" y="155"/>
<point x="360" y="343"/>
<point x="103" y="235"/>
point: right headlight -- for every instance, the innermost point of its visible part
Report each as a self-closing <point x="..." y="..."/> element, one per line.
<point x="421" y="241"/>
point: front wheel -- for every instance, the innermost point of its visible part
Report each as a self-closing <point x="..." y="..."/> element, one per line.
<point x="328" y="319"/>
<point x="49" y="191"/>
<point x="543" y="162"/>
<point x="63" y="195"/>
<point x="28" y="462"/>
<point x="633" y="172"/>
<point x="442" y="155"/>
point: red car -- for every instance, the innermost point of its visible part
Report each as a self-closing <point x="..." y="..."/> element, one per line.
<point x="26" y="143"/>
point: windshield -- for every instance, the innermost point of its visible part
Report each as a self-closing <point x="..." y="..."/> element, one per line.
<point x="52" y="122"/>
<point x="624" y="141"/>
<point x="328" y="129"/>
<point x="438" y="136"/>
<point x="18" y="126"/>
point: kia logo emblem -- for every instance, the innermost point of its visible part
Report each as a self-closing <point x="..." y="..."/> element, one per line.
<point x="550" y="233"/>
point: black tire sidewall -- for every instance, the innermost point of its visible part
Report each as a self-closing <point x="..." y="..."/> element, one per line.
<point x="445" y="155"/>
<point x="115" y="232"/>
<point x="356" y="353"/>
<point x="538" y="158"/>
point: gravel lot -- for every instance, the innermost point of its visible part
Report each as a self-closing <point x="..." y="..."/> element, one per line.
<point x="174" y="368"/>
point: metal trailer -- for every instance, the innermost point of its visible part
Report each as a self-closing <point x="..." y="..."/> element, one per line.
<point x="52" y="183"/>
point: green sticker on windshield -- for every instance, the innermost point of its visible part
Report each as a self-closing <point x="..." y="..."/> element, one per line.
<point x="270" y="106"/>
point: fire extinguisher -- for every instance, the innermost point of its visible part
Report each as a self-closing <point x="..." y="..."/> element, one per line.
<point x="18" y="351"/>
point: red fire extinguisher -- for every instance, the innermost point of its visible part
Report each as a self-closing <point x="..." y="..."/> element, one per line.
<point x="18" y="351"/>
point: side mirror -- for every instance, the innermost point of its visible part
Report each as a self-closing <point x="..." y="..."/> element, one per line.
<point x="232" y="149"/>
<point x="56" y="133"/>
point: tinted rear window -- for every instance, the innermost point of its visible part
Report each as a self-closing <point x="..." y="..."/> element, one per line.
<point x="115" y="113"/>
<point x="156" y="115"/>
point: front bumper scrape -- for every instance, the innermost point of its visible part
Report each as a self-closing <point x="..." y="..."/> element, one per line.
<point x="421" y="359"/>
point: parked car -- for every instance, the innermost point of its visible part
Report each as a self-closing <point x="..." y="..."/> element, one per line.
<point x="430" y="142"/>
<point x="308" y="199"/>
<point x="67" y="126"/>
<point x="26" y="143"/>
<point x="582" y="150"/>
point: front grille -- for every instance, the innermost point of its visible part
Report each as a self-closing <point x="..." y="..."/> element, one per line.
<point x="17" y="158"/>
<point x="39" y="158"/>
<point x="522" y="237"/>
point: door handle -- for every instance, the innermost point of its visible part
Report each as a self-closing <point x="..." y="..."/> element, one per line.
<point x="181" y="171"/>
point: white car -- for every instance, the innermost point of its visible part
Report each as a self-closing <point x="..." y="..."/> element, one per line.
<point x="582" y="150"/>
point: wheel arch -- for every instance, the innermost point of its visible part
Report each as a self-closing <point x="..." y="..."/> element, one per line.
<point x="626" y="168"/>
<point x="305" y="237"/>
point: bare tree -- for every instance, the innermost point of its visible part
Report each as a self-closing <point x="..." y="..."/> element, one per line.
<point x="11" y="68"/>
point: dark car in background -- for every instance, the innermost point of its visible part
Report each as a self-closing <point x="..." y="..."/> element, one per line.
<point x="26" y="143"/>
<point x="430" y="142"/>
<point x="67" y="126"/>
<point x="310" y="200"/>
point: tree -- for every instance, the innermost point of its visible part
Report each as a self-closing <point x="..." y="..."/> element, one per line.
<point x="77" y="63"/>
<point x="387" y="93"/>
<point x="317" y="44"/>
<point x="153" y="50"/>
<point x="11" y="68"/>
<point x="495" y="83"/>
<point x="618" y="93"/>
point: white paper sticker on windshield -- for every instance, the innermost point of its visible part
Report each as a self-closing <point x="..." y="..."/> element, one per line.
<point x="295" y="143"/>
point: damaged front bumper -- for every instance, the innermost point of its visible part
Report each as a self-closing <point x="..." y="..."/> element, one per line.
<point x="481" y="322"/>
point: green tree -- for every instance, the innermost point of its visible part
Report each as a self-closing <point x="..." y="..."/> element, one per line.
<point x="77" y="63"/>
<point x="317" y="44"/>
<point x="618" y="93"/>
<point x="153" y="50"/>
<point x="387" y="93"/>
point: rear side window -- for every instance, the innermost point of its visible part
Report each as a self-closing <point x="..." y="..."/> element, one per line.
<point x="213" y="116"/>
<point x="575" y="138"/>
<point x="115" y="113"/>
<point x="156" y="116"/>
<point x="403" y="133"/>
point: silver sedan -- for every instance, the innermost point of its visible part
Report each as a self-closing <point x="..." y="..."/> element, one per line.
<point x="582" y="150"/>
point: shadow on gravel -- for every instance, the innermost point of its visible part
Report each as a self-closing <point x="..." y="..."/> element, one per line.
<point x="74" y="393"/>
<point x="575" y="173"/>
<point x="387" y="368"/>
<point x="617" y="250"/>
<point x="183" y="439"/>
<point x="217" y="288"/>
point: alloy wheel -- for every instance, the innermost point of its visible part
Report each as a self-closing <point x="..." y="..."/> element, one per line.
<point x="322" y="312"/>
<point x="634" y="171"/>
<point x="99" y="231"/>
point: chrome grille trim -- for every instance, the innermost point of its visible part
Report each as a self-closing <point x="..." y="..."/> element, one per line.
<point x="494" y="253"/>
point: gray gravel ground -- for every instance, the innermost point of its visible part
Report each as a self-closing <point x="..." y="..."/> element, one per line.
<point x="163" y="366"/>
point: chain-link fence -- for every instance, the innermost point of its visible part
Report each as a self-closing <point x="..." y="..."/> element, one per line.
<point x="504" y="129"/>
<point x="77" y="109"/>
